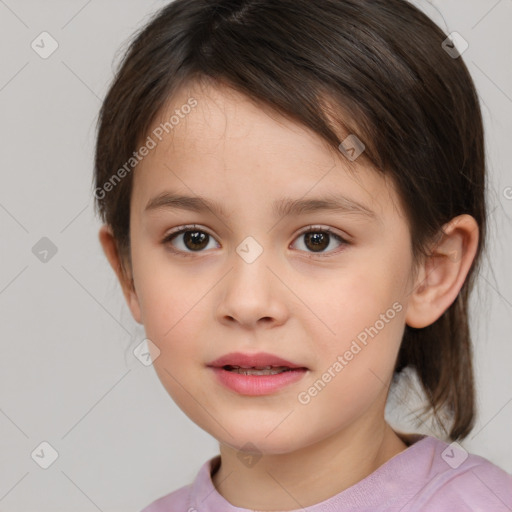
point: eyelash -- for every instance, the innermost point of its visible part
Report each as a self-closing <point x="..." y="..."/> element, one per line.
<point x="313" y="229"/>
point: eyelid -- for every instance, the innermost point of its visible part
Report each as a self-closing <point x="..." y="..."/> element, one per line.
<point x="315" y="228"/>
<point x="186" y="227"/>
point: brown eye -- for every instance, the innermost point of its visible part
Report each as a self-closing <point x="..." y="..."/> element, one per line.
<point x="188" y="240"/>
<point x="195" y="240"/>
<point x="317" y="240"/>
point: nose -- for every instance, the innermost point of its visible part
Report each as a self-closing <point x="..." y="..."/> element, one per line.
<point x="251" y="294"/>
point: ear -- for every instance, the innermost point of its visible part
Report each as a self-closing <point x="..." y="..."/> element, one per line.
<point x="110" y="248"/>
<point x="443" y="272"/>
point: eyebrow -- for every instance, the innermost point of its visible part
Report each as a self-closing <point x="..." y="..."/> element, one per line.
<point x="281" y="208"/>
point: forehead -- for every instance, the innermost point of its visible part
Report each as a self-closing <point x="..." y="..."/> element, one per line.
<point x="228" y="144"/>
<point x="223" y="114"/>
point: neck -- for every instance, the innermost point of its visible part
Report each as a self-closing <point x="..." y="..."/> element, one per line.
<point x="307" y="476"/>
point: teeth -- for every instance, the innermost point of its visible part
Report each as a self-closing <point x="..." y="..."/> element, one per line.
<point x="256" y="367"/>
<point x="268" y="370"/>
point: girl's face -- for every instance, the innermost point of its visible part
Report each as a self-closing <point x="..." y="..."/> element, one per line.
<point x="248" y="278"/>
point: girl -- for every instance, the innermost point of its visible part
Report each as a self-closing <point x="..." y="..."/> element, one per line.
<point x="293" y="201"/>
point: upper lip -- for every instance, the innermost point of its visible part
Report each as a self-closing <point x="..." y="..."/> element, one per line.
<point x="260" y="359"/>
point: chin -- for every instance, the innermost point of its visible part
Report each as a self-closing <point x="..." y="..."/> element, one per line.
<point x="257" y="441"/>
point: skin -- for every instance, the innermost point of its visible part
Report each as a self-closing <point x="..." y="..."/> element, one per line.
<point x="299" y="304"/>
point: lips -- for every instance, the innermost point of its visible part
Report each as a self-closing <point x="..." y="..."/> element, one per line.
<point x="256" y="374"/>
<point x="258" y="361"/>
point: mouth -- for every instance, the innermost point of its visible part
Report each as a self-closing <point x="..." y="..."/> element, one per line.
<point x="252" y="363"/>
<point x="267" y="370"/>
<point x="256" y="374"/>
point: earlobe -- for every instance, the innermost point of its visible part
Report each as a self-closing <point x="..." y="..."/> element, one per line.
<point x="111" y="251"/>
<point x="443" y="272"/>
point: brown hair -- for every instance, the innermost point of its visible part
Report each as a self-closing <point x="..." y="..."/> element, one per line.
<point x="373" y="68"/>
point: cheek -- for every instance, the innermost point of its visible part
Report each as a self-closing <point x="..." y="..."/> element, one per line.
<point x="169" y="298"/>
<point x="174" y="312"/>
<point x="362" y="319"/>
<point x="357" y="362"/>
<point x="354" y="300"/>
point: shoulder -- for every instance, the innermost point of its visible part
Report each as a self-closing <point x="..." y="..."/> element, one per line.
<point x="456" y="478"/>
<point x="176" y="500"/>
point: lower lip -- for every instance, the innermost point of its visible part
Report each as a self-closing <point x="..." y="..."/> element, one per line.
<point x="258" y="384"/>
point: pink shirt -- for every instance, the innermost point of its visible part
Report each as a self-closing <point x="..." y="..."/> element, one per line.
<point x="429" y="475"/>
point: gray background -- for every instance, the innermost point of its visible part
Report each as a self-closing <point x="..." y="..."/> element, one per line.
<point x="67" y="374"/>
